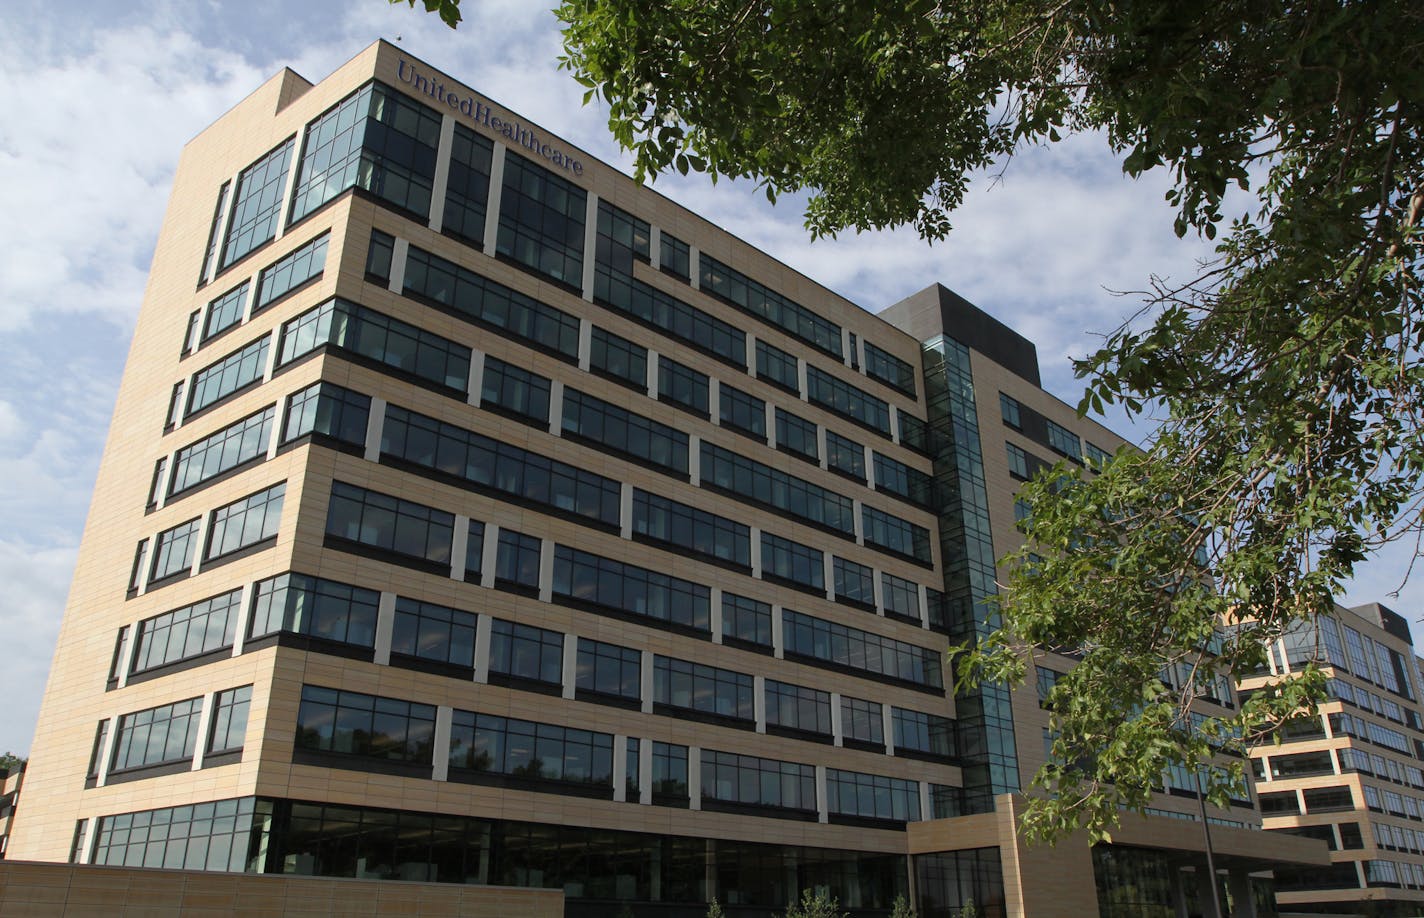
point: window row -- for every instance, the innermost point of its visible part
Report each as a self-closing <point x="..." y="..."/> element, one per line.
<point x="241" y="524"/>
<point x="167" y="735"/>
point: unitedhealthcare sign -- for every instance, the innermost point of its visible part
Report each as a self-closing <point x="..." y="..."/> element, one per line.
<point x="514" y="133"/>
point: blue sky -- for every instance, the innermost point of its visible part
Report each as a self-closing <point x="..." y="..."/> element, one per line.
<point x="99" y="105"/>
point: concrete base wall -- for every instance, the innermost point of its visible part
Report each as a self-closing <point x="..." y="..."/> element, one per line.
<point x="44" y="890"/>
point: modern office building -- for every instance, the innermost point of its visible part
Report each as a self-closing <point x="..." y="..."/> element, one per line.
<point x="1350" y="773"/>
<point x="471" y="513"/>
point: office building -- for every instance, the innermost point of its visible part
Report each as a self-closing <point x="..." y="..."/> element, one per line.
<point x="1349" y="773"/>
<point x="473" y="514"/>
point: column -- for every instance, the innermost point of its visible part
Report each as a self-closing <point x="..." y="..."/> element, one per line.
<point x="496" y="192"/>
<point x="385" y="625"/>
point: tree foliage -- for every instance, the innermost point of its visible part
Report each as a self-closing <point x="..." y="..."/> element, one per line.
<point x="1285" y="380"/>
<point x="10" y="762"/>
<point x="815" y="904"/>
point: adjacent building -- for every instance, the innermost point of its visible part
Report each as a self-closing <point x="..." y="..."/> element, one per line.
<point x="1349" y="773"/>
<point x="473" y="514"/>
<point x="10" y="781"/>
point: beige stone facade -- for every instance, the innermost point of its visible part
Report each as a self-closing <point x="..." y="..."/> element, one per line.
<point x="333" y="611"/>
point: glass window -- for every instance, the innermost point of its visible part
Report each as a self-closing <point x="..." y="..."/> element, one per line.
<point x="900" y="596"/>
<point x="1009" y="407"/>
<point x="467" y="187"/>
<point x="315" y="607"/>
<point x="633" y="788"/>
<point x="619" y="358"/>
<point x="195" y="328"/>
<point x="517" y="559"/>
<point x="526" y="652"/>
<point x="158" y="482"/>
<point x="389" y="523"/>
<point x="541" y="221"/>
<point x="675" y="256"/>
<point x="897" y="478"/>
<point x="223" y="313"/>
<point x="377" y="140"/>
<point x="236" y="371"/>
<point x="930" y="734"/>
<point x="751" y="781"/>
<point x="186" y="632"/>
<point x="246" y="522"/>
<point x="330" y="411"/>
<point x="1096" y="455"/>
<point x="845" y="455"/>
<point x="351" y="723"/>
<point x="524" y="749"/>
<point x="475" y="552"/>
<point x="741" y="411"/>
<point x="96" y="754"/>
<point x="484" y="302"/>
<point x="682" y="385"/>
<point x="757" y="482"/>
<point x="745" y="619"/>
<point x="889" y="369"/>
<point x="756" y="299"/>
<point x="1018" y="462"/>
<point x="157" y="736"/>
<point x="200" y="836"/>
<point x="812" y="638"/>
<point x="692" y="686"/>
<point x="885" y="530"/>
<point x="175" y="405"/>
<point x="795" y="434"/>
<point x="796" y="707"/>
<point x="698" y="531"/>
<point x="622" y="238"/>
<point x="850" y="793"/>
<point x="257" y="205"/>
<point x="284" y="276"/>
<point x="140" y="554"/>
<point x="839" y="396"/>
<point x="788" y="560"/>
<point x="121" y="648"/>
<point x="777" y="366"/>
<point x="498" y="467"/>
<point x="608" y="669"/>
<point x="379" y="256"/>
<point x="863" y="721"/>
<point x="426" y="631"/>
<point x="229" y="730"/>
<point x="174" y="551"/>
<point x="221" y="452"/>
<point x="367" y="333"/>
<point x="625" y="432"/>
<point x="855" y="583"/>
<point x="210" y="253"/>
<point x="914" y="432"/>
<point x="613" y="585"/>
<point x="515" y="390"/>
<point x="669" y="773"/>
<point x="1064" y="440"/>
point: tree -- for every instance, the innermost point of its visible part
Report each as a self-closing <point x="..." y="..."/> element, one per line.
<point x="815" y="905"/>
<point x="10" y="762"/>
<point x="1287" y="376"/>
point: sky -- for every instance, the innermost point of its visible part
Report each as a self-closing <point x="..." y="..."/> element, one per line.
<point x="100" y="100"/>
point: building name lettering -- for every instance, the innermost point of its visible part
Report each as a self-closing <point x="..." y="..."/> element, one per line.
<point x="481" y="114"/>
